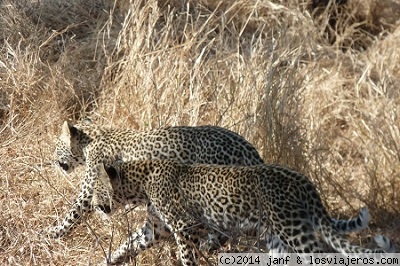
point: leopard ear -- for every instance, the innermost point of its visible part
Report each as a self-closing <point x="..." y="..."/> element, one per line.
<point x="67" y="132"/>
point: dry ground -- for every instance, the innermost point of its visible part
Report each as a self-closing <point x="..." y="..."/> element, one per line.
<point x="313" y="87"/>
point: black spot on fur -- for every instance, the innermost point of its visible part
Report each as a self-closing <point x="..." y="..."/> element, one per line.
<point x="296" y="223"/>
<point x="304" y="239"/>
<point x="307" y="250"/>
<point x="359" y="222"/>
<point x="297" y="232"/>
<point x="105" y="209"/>
<point x="343" y="226"/>
<point x="352" y="224"/>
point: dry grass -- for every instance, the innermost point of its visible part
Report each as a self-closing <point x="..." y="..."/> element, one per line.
<point x="316" y="94"/>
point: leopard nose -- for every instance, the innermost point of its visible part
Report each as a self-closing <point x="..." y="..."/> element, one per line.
<point x="64" y="166"/>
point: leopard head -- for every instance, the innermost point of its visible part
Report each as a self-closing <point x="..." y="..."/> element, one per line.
<point x="68" y="148"/>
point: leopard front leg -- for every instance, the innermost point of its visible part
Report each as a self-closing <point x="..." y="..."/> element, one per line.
<point x="81" y="206"/>
<point x="103" y="197"/>
<point x="152" y="232"/>
<point x="186" y="249"/>
<point x="214" y="241"/>
<point x="188" y="234"/>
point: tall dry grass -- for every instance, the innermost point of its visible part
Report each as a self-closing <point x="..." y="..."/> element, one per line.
<point x="313" y="89"/>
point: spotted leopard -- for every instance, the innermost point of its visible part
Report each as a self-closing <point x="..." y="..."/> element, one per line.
<point x="184" y="200"/>
<point x="90" y="145"/>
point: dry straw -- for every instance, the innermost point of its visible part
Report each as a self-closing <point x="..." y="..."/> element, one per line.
<point x="313" y="88"/>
